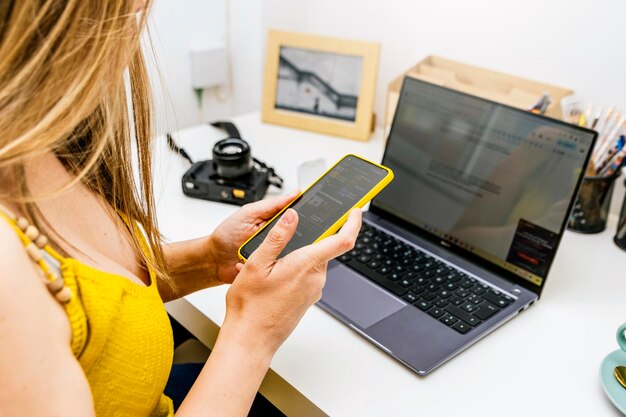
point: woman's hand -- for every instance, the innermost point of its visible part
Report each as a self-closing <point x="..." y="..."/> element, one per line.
<point x="225" y="241"/>
<point x="270" y="296"/>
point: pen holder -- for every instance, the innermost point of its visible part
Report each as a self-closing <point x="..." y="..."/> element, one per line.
<point x="591" y="208"/>
<point x="620" y="235"/>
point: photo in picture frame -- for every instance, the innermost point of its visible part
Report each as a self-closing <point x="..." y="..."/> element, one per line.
<point x="321" y="84"/>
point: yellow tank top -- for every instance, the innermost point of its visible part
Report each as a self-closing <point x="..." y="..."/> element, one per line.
<point x="121" y="336"/>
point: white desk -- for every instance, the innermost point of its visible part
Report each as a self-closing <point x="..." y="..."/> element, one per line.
<point x="544" y="362"/>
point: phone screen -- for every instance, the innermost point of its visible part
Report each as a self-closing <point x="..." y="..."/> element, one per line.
<point x="325" y="202"/>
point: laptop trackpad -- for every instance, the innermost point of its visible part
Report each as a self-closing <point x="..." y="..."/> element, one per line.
<point x="361" y="301"/>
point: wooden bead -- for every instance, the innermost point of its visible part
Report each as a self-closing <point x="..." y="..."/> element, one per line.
<point x="34" y="252"/>
<point x="64" y="295"/>
<point x="32" y="232"/>
<point x="22" y="223"/>
<point x="41" y="241"/>
<point x="55" y="285"/>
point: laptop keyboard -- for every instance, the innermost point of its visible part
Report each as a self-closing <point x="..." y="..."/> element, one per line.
<point x="445" y="293"/>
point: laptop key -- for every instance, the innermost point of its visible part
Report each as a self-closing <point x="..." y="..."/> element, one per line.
<point x="406" y="283"/>
<point x="462" y="314"/>
<point x="373" y="264"/>
<point x="430" y="273"/>
<point x="498" y="300"/>
<point x="363" y="259"/>
<point x="418" y="290"/>
<point x="462" y="327"/>
<point x="422" y="281"/>
<point x="451" y="286"/>
<point x="448" y="319"/>
<point x="469" y="307"/>
<point x="344" y="258"/>
<point x="435" y="312"/>
<point x="453" y="277"/>
<point x="440" y="302"/>
<point x="473" y="298"/>
<point x="485" y="311"/>
<point x="428" y="296"/>
<point x="467" y="284"/>
<point x="423" y="305"/>
<point x="478" y="290"/>
<point x="430" y="264"/>
<point x="378" y="278"/>
<point x="456" y="301"/>
<point x="410" y="297"/>
<point x="444" y="294"/>
<point x="395" y="276"/>
<point x="439" y="280"/>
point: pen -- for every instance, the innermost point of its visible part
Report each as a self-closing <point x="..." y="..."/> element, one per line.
<point x="596" y="118"/>
<point x="618" y="147"/>
<point x="608" y="131"/>
<point x="609" y="170"/>
<point x="588" y="115"/>
<point x="609" y="139"/>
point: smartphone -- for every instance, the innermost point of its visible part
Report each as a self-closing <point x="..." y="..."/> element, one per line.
<point x="324" y="206"/>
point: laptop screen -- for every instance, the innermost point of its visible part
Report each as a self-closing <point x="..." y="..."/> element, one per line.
<point x="483" y="177"/>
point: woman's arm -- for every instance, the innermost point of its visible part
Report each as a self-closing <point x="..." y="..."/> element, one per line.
<point x="263" y="306"/>
<point x="192" y="268"/>
<point x="230" y="378"/>
<point x="210" y="261"/>
<point x="40" y="376"/>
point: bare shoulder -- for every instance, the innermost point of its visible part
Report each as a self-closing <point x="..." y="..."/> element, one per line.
<point x="19" y="278"/>
<point x="35" y="354"/>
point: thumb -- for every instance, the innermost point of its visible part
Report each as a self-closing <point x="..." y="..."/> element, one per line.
<point x="277" y="238"/>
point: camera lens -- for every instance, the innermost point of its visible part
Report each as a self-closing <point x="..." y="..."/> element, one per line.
<point x="232" y="158"/>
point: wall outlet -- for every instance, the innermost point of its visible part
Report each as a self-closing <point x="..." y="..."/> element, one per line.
<point x="208" y="66"/>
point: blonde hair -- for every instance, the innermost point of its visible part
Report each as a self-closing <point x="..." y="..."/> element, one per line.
<point x="62" y="89"/>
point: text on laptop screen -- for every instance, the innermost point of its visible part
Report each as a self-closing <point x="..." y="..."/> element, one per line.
<point x="493" y="180"/>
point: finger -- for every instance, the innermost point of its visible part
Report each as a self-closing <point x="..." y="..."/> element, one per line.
<point x="238" y="266"/>
<point x="264" y="209"/>
<point x="335" y="245"/>
<point x="276" y="240"/>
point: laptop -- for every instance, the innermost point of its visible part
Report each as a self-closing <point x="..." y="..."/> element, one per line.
<point x="463" y="239"/>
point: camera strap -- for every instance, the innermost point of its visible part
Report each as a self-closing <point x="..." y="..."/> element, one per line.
<point x="273" y="177"/>
<point x="232" y="131"/>
<point x="229" y="127"/>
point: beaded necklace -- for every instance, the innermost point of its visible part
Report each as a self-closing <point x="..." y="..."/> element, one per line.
<point x="34" y="243"/>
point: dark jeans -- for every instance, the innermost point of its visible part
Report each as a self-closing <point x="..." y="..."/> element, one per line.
<point x="184" y="375"/>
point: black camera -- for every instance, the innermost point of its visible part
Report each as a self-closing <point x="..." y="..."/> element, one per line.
<point x="233" y="176"/>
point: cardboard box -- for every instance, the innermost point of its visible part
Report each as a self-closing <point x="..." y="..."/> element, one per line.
<point x="497" y="86"/>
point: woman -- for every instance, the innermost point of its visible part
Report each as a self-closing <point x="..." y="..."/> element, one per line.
<point x="83" y="274"/>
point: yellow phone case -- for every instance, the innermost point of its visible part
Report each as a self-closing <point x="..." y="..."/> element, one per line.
<point x="337" y="225"/>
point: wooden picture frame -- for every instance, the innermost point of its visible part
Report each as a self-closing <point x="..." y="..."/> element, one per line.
<point x="321" y="84"/>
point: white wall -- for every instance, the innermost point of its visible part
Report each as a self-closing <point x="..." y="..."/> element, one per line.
<point x="176" y="26"/>
<point x="573" y="43"/>
<point x="577" y="44"/>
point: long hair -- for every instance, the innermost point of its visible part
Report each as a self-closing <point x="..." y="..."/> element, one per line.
<point x="64" y="70"/>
